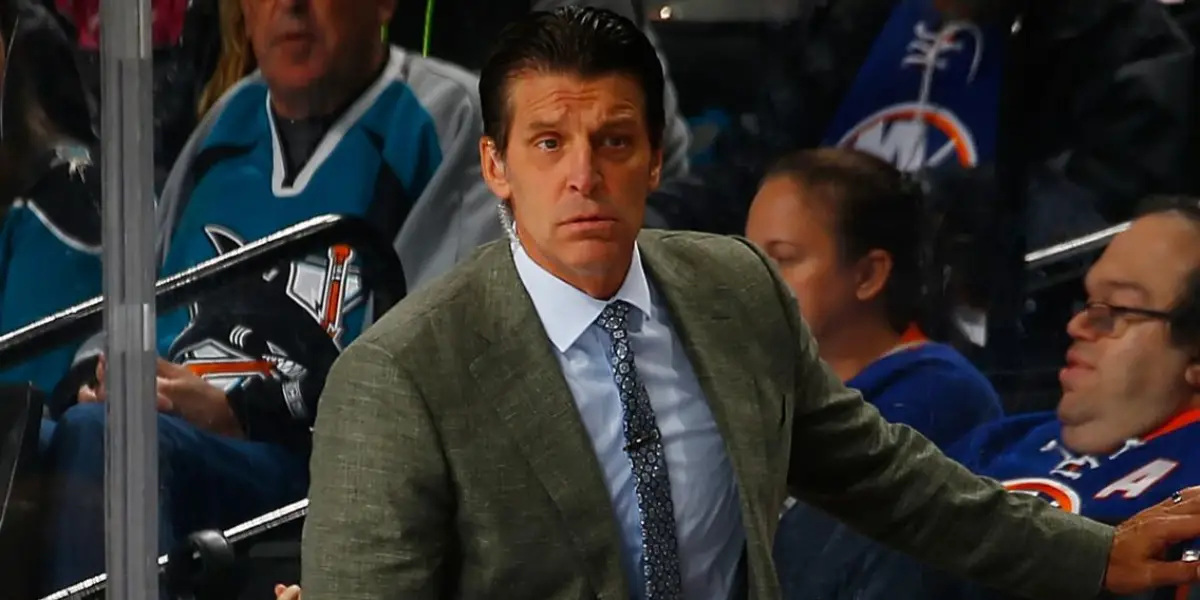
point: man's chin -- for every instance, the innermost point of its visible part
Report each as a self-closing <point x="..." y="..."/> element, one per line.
<point x="296" y="77"/>
<point x="1070" y="411"/>
<point x="1076" y="438"/>
<point x="1087" y="434"/>
<point x="595" y="257"/>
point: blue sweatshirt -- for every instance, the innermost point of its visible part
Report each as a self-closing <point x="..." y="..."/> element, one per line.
<point x="932" y="388"/>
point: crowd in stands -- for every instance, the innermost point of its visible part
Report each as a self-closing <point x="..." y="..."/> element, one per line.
<point x="904" y="157"/>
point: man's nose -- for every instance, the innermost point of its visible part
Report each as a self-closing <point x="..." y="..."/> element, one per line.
<point x="1080" y="327"/>
<point x="582" y="175"/>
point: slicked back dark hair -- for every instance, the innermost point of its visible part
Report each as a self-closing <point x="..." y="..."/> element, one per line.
<point x="581" y="41"/>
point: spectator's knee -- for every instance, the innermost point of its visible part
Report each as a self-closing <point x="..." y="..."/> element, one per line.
<point x="77" y="443"/>
<point x="82" y="421"/>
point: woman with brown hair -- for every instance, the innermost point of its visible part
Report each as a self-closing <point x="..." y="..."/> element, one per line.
<point x="848" y="235"/>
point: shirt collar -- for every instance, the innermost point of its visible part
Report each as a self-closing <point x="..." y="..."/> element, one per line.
<point x="567" y="312"/>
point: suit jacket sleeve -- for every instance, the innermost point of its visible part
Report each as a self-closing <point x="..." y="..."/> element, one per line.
<point x="892" y="484"/>
<point x="380" y="519"/>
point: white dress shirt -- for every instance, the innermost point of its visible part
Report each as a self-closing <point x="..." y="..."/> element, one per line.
<point x="708" y="519"/>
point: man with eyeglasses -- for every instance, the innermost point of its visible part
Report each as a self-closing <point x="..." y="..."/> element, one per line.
<point x="1126" y="429"/>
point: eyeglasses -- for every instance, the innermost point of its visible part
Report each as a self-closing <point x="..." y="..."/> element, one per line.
<point x="1106" y="319"/>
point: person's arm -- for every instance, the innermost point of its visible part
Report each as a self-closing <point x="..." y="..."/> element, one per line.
<point x="455" y="212"/>
<point x="280" y="410"/>
<point x="380" y="522"/>
<point x="890" y="483"/>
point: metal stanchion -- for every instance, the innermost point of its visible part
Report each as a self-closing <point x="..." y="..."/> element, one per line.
<point x="1072" y="248"/>
<point x="127" y="126"/>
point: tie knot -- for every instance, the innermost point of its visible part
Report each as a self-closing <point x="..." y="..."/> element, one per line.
<point x="615" y="317"/>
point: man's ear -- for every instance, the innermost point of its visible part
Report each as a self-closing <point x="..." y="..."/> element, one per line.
<point x="495" y="173"/>
<point x="1192" y="374"/>
<point x="656" y="165"/>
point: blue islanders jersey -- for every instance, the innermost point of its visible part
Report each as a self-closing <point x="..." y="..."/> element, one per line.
<point x="50" y="256"/>
<point x="1026" y="454"/>
<point x="928" y="94"/>
<point x="931" y="388"/>
<point x="287" y="325"/>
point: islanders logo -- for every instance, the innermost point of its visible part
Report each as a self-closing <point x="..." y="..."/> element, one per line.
<point x="1053" y="492"/>
<point x="913" y="136"/>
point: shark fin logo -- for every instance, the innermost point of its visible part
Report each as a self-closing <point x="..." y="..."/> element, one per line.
<point x="255" y="330"/>
<point x="326" y="287"/>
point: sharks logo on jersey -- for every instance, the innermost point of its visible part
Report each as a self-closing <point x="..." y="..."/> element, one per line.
<point x="256" y="330"/>
<point x="327" y="288"/>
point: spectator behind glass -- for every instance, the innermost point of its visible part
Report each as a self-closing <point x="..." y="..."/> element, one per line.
<point x="845" y="230"/>
<point x="334" y="122"/>
<point x="49" y="187"/>
<point x="1123" y="438"/>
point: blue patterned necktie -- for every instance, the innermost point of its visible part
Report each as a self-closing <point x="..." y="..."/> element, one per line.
<point x="643" y="444"/>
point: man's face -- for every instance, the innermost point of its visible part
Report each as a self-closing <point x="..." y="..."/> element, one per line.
<point x="1126" y="382"/>
<point x="304" y="44"/>
<point x="576" y="171"/>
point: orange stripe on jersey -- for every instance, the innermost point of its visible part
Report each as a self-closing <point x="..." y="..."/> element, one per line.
<point x="232" y="367"/>
<point x="1182" y="592"/>
<point x="913" y="335"/>
<point x="1179" y="421"/>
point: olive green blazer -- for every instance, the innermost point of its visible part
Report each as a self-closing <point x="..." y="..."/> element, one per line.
<point x="450" y="460"/>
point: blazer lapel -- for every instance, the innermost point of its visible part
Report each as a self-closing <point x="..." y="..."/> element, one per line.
<point x="523" y="382"/>
<point x="709" y="334"/>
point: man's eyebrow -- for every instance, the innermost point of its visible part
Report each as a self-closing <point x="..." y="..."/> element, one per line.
<point x="1121" y="285"/>
<point x="780" y="244"/>
<point x="544" y="124"/>
<point x="620" y="119"/>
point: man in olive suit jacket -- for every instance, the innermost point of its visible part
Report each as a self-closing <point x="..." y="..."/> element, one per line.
<point x="592" y="411"/>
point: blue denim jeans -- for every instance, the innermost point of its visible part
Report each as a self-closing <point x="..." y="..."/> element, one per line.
<point x="206" y="481"/>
